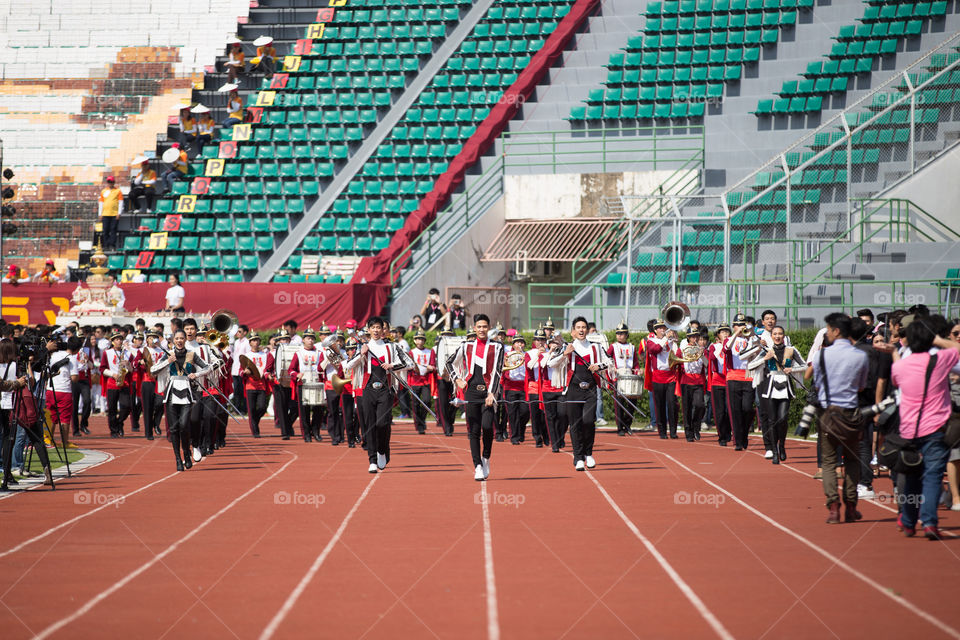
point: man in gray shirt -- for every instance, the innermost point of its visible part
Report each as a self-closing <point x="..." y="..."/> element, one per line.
<point x="840" y="372"/>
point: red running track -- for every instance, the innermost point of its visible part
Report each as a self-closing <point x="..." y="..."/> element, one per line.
<point x="274" y="539"/>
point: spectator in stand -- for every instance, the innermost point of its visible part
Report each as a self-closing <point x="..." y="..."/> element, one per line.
<point x="188" y="127"/>
<point x="174" y="295"/>
<point x="143" y="183"/>
<point x="13" y="275"/>
<point x="458" y="313"/>
<point x="924" y="412"/>
<point x="234" y="108"/>
<point x="416" y="322"/>
<point x="205" y="126"/>
<point x="266" y="60"/>
<point x="433" y="309"/>
<point x="178" y="169"/>
<point x="235" y="64"/>
<point x="110" y="208"/>
<point x="47" y="275"/>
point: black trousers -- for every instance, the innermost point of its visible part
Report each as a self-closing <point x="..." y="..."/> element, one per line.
<point x="775" y="433"/>
<point x="281" y="411"/>
<point x="740" y="404"/>
<point x="136" y="409"/>
<point x="378" y="417"/>
<point x="419" y="410"/>
<point x="334" y="416"/>
<point x="538" y="422"/>
<point x="212" y="416"/>
<point x="623" y="414"/>
<point x="148" y="193"/>
<point x="721" y="417"/>
<point x="691" y="395"/>
<point x="109" y="233"/>
<point x="665" y="402"/>
<point x="556" y="416"/>
<point x="581" y="405"/>
<point x="311" y="417"/>
<point x="480" y="419"/>
<point x="80" y="419"/>
<point x="118" y="408"/>
<point x="500" y="420"/>
<point x="239" y="399"/>
<point x="256" y="401"/>
<point x="403" y="399"/>
<point x="152" y="408"/>
<point x="179" y="424"/>
<point x="196" y="421"/>
<point x="445" y="410"/>
<point x="518" y="413"/>
<point x="350" y="417"/>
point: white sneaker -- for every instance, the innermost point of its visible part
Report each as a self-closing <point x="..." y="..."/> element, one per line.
<point x="768" y="455"/>
<point x="955" y="506"/>
<point x="873" y="461"/>
<point x="864" y="492"/>
<point x="601" y="422"/>
<point x="373" y="468"/>
<point x="197" y="456"/>
<point x="381" y="461"/>
<point x="485" y="463"/>
<point x="478" y="473"/>
<point x="591" y="463"/>
<point x="579" y="465"/>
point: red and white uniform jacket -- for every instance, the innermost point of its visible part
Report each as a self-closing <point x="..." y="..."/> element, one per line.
<point x="419" y="376"/>
<point x="213" y="380"/>
<point x="625" y="356"/>
<point x="656" y="363"/>
<point x="584" y="352"/>
<point x="487" y="355"/>
<point x="515" y="379"/>
<point x="733" y="349"/>
<point x="328" y="369"/>
<point x="694" y="373"/>
<point x="531" y="367"/>
<point x="264" y="363"/>
<point x="110" y="366"/>
<point x="716" y="366"/>
<point x="378" y="353"/>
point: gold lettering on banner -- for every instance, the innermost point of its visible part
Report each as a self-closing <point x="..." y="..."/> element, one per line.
<point x="17" y="309"/>
<point x="62" y="303"/>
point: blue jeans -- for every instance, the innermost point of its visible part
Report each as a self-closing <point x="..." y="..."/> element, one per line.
<point x="653" y="411"/>
<point x="169" y="177"/>
<point x="920" y="493"/>
<point x="18" y="446"/>
<point x="229" y="122"/>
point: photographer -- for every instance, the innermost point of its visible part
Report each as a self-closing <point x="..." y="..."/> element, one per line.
<point x="59" y="392"/>
<point x="458" y="313"/>
<point x="433" y="309"/>
<point x="840" y="372"/>
<point x="925" y="408"/>
<point x="17" y="409"/>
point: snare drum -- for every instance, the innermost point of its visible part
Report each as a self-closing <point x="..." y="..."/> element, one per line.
<point x="313" y="394"/>
<point x="629" y="385"/>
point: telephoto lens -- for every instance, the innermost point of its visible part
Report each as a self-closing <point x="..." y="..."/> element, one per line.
<point x="874" y="409"/>
<point x="806" y="421"/>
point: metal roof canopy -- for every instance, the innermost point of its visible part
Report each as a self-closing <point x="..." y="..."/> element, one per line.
<point x="563" y="240"/>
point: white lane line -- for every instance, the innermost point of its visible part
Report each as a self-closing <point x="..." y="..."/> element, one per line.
<point x="698" y="604"/>
<point x="76" y="519"/>
<point x="271" y="628"/>
<point x="888" y="592"/>
<point x="493" y="618"/>
<point x="116" y="586"/>
<point x="60" y="473"/>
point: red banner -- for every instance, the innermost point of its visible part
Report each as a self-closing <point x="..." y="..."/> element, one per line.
<point x="261" y="306"/>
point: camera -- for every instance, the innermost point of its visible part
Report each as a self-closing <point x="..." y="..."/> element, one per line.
<point x="806" y="420"/>
<point x="885" y="408"/>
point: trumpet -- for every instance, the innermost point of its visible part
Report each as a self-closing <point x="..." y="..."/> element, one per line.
<point x="217" y="339"/>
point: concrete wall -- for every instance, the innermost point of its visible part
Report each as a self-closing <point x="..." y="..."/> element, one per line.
<point x="573" y="194"/>
<point x="935" y="189"/>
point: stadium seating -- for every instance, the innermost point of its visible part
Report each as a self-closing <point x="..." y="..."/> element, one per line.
<point x="884" y="25"/>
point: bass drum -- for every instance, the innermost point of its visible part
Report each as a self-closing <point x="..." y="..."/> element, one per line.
<point x="313" y="395"/>
<point x="629" y="385"/>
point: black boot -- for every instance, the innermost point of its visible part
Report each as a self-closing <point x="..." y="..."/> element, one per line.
<point x="782" y="450"/>
<point x="175" y="438"/>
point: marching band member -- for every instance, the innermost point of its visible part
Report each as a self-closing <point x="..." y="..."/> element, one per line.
<point x="717" y="384"/>
<point x="422" y="378"/>
<point x="284" y="408"/>
<point x="531" y="365"/>
<point x="578" y="368"/>
<point x="114" y="369"/>
<point x="446" y="410"/>
<point x="740" y="394"/>
<point x="256" y="391"/>
<point x="500" y="420"/>
<point x="693" y="380"/>
<point x="660" y="378"/>
<point x="626" y="359"/>
<point x="81" y="391"/>
<point x="213" y="399"/>
<point x="134" y="350"/>
<point x="514" y="392"/>
<point x="177" y="375"/>
<point x="196" y="407"/>
<point x="151" y="402"/>
<point x="479" y="363"/>
<point x="548" y="328"/>
<point x="550" y="398"/>
<point x="350" y="399"/>
<point x="371" y="369"/>
<point x="305" y="370"/>
<point x="335" y="422"/>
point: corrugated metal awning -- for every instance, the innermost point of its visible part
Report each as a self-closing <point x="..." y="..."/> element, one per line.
<point x="566" y="240"/>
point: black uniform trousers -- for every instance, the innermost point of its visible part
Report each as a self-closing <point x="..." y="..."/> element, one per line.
<point x="775" y="426"/>
<point x="500" y="420"/>
<point x="378" y="417"/>
<point x="665" y="403"/>
<point x="281" y="410"/>
<point x="256" y="403"/>
<point x="179" y="424"/>
<point x="311" y="417"/>
<point x="581" y="405"/>
<point x="538" y="422"/>
<point x="623" y="414"/>
<point x="118" y="408"/>
<point x="518" y="413"/>
<point x="480" y="419"/>
<point x="691" y="396"/>
<point x="740" y="403"/>
<point x="239" y="398"/>
<point x="419" y="410"/>
<point x="446" y="411"/>
<point x="350" y="418"/>
<point x="721" y="417"/>
<point x="80" y="419"/>
<point x="152" y="408"/>
<point x="556" y="416"/>
<point x="136" y="409"/>
<point x="334" y="416"/>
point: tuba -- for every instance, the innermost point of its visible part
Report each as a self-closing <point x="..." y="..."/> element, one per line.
<point x="224" y="321"/>
<point x="676" y="316"/>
